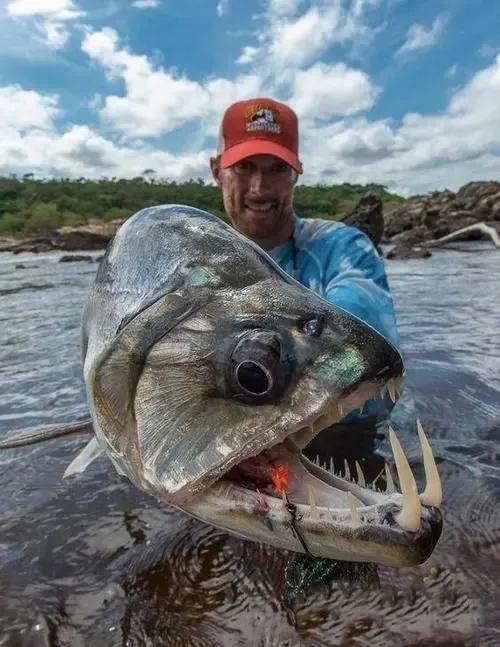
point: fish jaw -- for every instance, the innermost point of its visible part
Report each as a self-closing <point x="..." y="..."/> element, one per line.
<point x="177" y="297"/>
<point x="332" y="517"/>
<point x="373" y="538"/>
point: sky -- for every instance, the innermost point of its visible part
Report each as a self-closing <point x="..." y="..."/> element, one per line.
<point x="400" y="92"/>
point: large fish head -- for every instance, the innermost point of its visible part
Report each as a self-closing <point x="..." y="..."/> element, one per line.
<point x="228" y="397"/>
<point x="208" y="394"/>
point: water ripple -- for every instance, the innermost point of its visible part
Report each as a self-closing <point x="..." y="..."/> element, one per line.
<point x="92" y="561"/>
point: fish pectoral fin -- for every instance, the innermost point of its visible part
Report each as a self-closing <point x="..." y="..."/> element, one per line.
<point x="34" y="435"/>
<point x="80" y="463"/>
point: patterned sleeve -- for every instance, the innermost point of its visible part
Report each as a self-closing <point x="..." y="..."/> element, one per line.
<point x="355" y="280"/>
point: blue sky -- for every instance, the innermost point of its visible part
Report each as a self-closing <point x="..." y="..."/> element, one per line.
<point x="402" y="92"/>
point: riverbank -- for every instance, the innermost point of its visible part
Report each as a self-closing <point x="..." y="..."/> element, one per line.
<point x="412" y="228"/>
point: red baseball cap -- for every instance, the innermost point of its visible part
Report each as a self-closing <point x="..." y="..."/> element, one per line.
<point x="259" y="126"/>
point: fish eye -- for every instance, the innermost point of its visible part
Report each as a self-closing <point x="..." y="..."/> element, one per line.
<point x="312" y="327"/>
<point x="256" y="372"/>
<point x="254" y="378"/>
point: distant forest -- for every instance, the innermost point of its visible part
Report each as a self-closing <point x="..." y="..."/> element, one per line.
<point x="30" y="207"/>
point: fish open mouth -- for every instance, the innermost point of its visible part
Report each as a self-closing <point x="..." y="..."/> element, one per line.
<point x="315" y="498"/>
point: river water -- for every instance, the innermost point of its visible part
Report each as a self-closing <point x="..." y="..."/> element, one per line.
<point x="91" y="561"/>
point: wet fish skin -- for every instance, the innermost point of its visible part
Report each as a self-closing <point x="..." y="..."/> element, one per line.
<point x="200" y="352"/>
<point x="166" y="267"/>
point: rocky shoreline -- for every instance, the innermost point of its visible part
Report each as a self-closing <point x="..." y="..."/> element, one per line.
<point x="411" y="228"/>
<point x="425" y="219"/>
<point x="94" y="235"/>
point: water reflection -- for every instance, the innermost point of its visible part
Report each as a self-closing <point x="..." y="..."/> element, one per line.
<point x="92" y="561"/>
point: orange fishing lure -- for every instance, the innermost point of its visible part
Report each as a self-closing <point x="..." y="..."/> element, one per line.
<point x="280" y="477"/>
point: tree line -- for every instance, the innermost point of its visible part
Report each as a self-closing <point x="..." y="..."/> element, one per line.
<point x="30" y="206"/>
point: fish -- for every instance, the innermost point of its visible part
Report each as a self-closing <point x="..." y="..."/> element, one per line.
<point x="207" y="371"/>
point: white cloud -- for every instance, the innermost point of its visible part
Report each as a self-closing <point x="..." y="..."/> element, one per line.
<point x="420" y="153"/>
<point x="22" y="110"/>
<point x="56" y="34"/>
<point x="295" y="42"/>
<point x="487" y="50"/>
<point x="55" y="9"/>
<point x="222" y="7"/>
<point x="82" y="152"/>
<point x="284" y="7"/>
<point x="32" y="143"/>
<point x="326" y="90"/>
<point x="146" y="4"/>
<point x="424" y="152"/>
<point x="50" y="18"/>
<point x="421" y="37"/>
<point x="288" y="40"/>
<point x="157" y="101"/>
<point x="248" y="55"/>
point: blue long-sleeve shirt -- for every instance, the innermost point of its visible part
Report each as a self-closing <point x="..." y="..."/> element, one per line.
<point x="341" y="264"/>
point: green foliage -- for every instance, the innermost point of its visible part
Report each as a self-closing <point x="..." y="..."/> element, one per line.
<point x="35" y="207"/>
<point x="334" y="201"/>
<point x="117" y="213"/>
<point x="42" y="217"/>
<point x="11" y="223"/>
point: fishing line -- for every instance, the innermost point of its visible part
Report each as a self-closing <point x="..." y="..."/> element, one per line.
<point x="292" y="510"/>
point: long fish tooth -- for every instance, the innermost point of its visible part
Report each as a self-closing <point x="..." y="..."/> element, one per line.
<point x="316" y="460"/>
<point x="313" y="510"/>
<point x="353" y="509"/>
<point x="311" y="428"/>
<point x="377" y="478"/>
<point x="382" y="392"/>
<point x="391" y="387"/>
<point x="332" y="466"/>
<point x="433" y="493"/>
<point x="341" y="409"/>
<point x="347" y="471"/>
<point x="361" y="476"/>
<point x="390" y="487"/>
<point x="409" y="517"/>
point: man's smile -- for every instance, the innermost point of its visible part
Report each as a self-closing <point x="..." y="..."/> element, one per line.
<point x="261" y="207"/>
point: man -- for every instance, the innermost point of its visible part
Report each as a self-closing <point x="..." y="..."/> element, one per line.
<point x="257" y="167"/>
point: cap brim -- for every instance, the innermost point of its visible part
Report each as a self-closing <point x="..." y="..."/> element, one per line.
<point x="259" y="147"/>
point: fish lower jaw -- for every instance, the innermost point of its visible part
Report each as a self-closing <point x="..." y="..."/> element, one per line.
<point x="322" y="496"/>
<point x="316" y="499"/>
<point x="371" y="534"/>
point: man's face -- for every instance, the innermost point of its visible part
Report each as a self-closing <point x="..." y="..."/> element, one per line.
<point x="258" y="194"/>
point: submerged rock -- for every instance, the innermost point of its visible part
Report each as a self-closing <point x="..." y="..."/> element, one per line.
<point x="405" y="252"/>
<point x="74" y="258"/>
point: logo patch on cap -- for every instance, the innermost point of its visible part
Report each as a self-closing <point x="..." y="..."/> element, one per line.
<point x="261" y="117"/>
